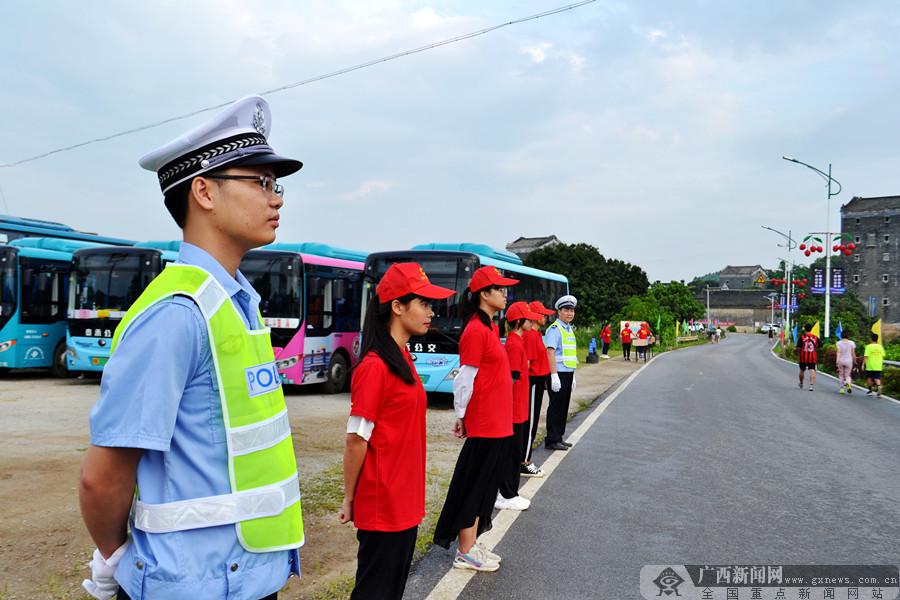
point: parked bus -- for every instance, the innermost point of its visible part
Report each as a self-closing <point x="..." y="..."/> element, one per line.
<point x="104" y="283"/>
<point x="311" y="302"/>
<point x="436" y="354"/>
<point x="14" y="228"/>
<point x="34" y="282"/>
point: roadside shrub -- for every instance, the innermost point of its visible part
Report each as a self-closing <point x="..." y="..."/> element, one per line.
<point x="890" y="380"/>
<point x="732" y="329"/>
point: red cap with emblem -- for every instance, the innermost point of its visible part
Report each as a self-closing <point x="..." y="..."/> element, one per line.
<point x="520" y="310"/>
<point x="487" y="276"/>
<point x="403" y="279"/>
<point x="538" y="307"/>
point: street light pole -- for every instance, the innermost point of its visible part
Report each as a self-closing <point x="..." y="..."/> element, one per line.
<point x="791" y="244"/>
<point x="828" y="236"/>
<point x="707" y="307"/>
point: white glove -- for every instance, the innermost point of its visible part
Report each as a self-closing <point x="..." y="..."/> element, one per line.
<point x="102" y="585"/>
<point x="555" y="384"/>
<point x="573" y="383"/>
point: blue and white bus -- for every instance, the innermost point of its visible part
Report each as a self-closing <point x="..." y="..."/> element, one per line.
<point x="104" y="283"/>
<point x="34" y="283"/>
<point x="436" y="354"/>
<point x="15" y="228"/>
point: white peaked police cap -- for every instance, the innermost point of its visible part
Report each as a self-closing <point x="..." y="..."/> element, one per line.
<point x="566" y="301"/>
<point x="236" y="136"/>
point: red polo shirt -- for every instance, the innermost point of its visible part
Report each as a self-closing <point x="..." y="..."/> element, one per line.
<point x="538" y="366"/>
<point x="390" y="494"/>
<point x="518" y="361"/>
<point x="606" y="334"/>
<point x="489" y="414"/>
<point x="626" y="336"/>
<point x="644" y="333"/>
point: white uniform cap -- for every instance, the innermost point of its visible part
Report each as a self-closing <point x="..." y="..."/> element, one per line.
<point x="235" y="136"/>
<point x="566" y="301"/>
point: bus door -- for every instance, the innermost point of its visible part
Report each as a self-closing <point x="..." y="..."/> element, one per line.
<point x="42" y="312"/>
<point x="333" y="297"/>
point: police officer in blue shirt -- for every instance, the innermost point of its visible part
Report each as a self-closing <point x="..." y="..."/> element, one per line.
<point x="158" y="492"/>
<point x="561" y="352"/>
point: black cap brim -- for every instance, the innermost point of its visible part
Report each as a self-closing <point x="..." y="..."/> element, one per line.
<point x="281" y="166"/>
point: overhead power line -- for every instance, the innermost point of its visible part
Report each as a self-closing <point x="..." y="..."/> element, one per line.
<point x="289" y="86"/>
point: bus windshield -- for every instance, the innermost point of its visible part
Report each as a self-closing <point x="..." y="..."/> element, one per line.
<point x="112" y="281"/>
<point x="7" y="284"/>
<point x="451" y="272"/>
<point x="276" y="276"/>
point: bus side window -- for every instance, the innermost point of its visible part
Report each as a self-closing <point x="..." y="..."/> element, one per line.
<point x="319" y="300"/>
<point x="347" y="294"/>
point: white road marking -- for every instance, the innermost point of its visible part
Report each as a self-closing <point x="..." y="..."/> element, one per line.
<point x="452" y="583"/>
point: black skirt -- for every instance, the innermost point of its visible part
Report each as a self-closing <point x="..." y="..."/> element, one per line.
<point x="473" y="488"/>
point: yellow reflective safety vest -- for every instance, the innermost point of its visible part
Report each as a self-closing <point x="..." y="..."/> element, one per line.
<point x="569" y="354"/>
<point x="264" y="503"/>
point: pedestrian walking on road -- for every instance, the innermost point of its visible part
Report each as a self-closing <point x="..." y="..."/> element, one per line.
<point x="483" y="401"/>
<point x="191" y="444"/>
<point x="563" y="358"/>
<point x="846" y="356"/>
<point x="625" y="336"/>
<point x="384" y="455"/>
<point x="519" y="319"/>
<point x="874" y="355"/>
<point x="605" y="339"/>
<point x="539" y="379"/>
<point x="644" y="334"/>
<point x="809" y="343"/>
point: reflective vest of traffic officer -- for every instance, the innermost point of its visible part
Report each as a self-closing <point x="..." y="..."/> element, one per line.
<point x="561" y="352"/>
<point x="191" y="434"/>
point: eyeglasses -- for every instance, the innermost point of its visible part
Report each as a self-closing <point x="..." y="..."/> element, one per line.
<point x="503" y="291"/>
<point x="268" y="184"/>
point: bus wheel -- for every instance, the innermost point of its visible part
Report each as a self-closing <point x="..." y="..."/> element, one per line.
<point x="59" y="368"/>
<point x="337" y="374"/>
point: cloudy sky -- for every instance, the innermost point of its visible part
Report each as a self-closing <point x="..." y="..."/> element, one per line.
<point x="652" y="130"/>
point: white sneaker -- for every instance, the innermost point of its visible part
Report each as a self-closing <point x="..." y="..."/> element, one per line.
<point x="516" y="503"/>
<point x="488" y="554"/>
<point x="474" y="560"/>
<point x="604" y="356"/>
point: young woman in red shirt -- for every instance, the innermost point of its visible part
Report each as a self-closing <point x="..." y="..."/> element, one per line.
<point x="538" y="378"/>
<point x="384" y="456"/>
<point x="625" y="336"/>
<point x="482" y="398"/>
<point x="605" y="339"/>
<point x="518" y="319"/>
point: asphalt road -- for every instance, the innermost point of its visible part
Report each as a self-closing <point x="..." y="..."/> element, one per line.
<point x="711" y="456"/>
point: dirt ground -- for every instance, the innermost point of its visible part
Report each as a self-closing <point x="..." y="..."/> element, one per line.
<point x="44" y="547"/>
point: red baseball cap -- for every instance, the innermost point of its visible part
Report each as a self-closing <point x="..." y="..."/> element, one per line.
<point x="403" y="279"/>
<point x="538" y="307"/>
<point x="520" y="310"/>
<point x="487" y="276"/>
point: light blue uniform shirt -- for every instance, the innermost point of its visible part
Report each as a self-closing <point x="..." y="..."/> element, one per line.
<point x="159" y="392"/>
<point x="553" y="339"/>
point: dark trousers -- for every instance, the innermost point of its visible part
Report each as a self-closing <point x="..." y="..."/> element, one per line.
<point x="605" y="346"/>
<point x="626" y="350"/>
<point x="512" y="477"/>
<point x="382" y="563"/>
<point x="121" y="595"/>
<point x="558" y="409"/>
<point x="538" y="385"/>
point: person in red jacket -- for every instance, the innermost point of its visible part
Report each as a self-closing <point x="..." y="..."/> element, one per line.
<point x="384" y="457"/>
<point x="518" y="318"/>
<point x="539" y="379"/>
<point x="483" y="401"/>
<point x="605" y="340"/>
<point x="625" y="336"/>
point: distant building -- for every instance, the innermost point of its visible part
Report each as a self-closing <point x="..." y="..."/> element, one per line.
<point x="744" y="308"/>
<point x="872" y="272"/>
<point x="526" y="245"/>
<point x="743" y="277"/>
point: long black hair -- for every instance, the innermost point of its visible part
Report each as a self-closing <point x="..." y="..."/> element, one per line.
<point x="376" y="336"/>
<point x="471" y="305"/>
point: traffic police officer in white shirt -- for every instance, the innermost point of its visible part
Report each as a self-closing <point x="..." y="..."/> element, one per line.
<point x="561" y="352"/>
<point x="189" y="488"/>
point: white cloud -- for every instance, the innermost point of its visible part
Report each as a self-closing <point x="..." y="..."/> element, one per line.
<point x="366" y="188"/>
<point x="537" y="53"/>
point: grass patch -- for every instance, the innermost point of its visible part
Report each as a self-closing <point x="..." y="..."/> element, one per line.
<point x="336" y="589"/>
<point x="323" y="493"/>
<point x="440" y="482"/>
